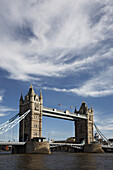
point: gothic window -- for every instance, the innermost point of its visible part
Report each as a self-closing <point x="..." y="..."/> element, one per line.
<point x="27" y="98"/>
<point x="36" y="106"/>
<point x="35" y="134"/>
<point x="90" y="117"/>
<point x="90" y="132"/>
<point x="35" y="126"/>
<point x="90" y="139"/>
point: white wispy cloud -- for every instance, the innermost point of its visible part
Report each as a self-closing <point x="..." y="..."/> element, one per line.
<point x="103" y="121"/>
<point x="2" y="114"/>
<point x="0" y="98"/>
<point x="4" y="110"/>
<point x="97" y="86"/>
<point x="1" y="95"/>
<point x="57" y="38"/>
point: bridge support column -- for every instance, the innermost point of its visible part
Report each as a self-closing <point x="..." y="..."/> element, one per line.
<point x="84" y="127"/>
<point x="80" y="131"/>
<point x="76" y="136"/>
<point x="31" y="126"/>
<point x="41" y="112"/>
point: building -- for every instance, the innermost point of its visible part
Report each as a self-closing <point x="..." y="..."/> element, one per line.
<point x="31" y="126"/>
<point x="84" y="127"/>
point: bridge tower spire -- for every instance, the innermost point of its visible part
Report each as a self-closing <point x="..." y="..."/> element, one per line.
<point x="21" y="97"/>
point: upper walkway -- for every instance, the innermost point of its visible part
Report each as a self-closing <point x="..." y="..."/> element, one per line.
<point x="62" y="114"/>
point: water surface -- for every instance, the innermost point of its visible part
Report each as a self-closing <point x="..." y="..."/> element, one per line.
<point x="57" y="161"/>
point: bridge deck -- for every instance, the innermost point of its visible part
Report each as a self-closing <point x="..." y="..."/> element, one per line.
<point x="69" y="144"/>
<point x="77" y="146"/>
<point x="62" y="114"/>
<point x="12" y="143"/>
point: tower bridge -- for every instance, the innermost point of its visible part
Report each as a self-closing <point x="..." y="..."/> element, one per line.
<point x="31" y="126"/>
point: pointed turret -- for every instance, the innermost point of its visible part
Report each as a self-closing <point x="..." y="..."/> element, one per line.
<point x="31" y="86"/>
<point x="21" y="97"/>
<point x="75" y="110"/>
<point x="91" y="108"/>
<point x="31" y="91"/>
<point x="40" y="97"/>
<point x="83" y="102"/>
<point x="83" y="108"/>
<point x="84" y="105"/>
<point x="36" y="97"/>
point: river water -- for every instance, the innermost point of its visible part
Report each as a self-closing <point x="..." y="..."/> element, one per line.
<point x="57" y="161"/>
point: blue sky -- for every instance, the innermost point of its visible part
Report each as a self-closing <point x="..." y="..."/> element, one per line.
<point x="65" y="49"/>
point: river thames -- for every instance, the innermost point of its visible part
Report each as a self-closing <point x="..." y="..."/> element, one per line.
<point x="57" y="161"/>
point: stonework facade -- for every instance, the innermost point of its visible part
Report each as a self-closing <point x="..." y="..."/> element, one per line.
<point x="84" y="127"/>
<point x="31" y="126"/>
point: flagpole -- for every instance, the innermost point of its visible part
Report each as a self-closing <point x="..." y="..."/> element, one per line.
<point x="60" y="106"/>
<point x="71" y="108"/>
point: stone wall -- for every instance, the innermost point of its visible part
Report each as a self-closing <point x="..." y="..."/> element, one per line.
<point x="18" y="149"/>
<point x="93" y="148"/>
<point x="37" y="147"/>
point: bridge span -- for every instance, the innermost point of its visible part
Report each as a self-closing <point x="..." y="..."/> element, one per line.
<point x="49" y="112"/>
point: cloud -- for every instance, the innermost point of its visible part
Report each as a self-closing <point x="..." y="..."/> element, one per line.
<point x="0" y="98"/>
<point x="97" y="86"/>
<point x="4" y="111"/>
<point x="1" y="95"/>
<point x="103" y="121"/>
<point x="2" y="114"/>
<point x="57" y="39"/>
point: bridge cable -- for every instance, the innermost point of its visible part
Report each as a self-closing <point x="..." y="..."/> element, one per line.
<point x="12" y="122"/>
<point x="101" y="134"/>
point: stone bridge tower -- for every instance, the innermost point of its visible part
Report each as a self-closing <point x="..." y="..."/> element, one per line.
<point x="31" y="125"/>
<point x="84" y="128"/>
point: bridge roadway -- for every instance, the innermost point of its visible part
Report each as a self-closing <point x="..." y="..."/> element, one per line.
<point x="62" y="114"/>
<point x="12" y="143"/>
<point x="78" y="146"/>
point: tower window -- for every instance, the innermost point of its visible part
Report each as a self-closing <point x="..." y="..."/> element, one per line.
<point x="35" y="126"/>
